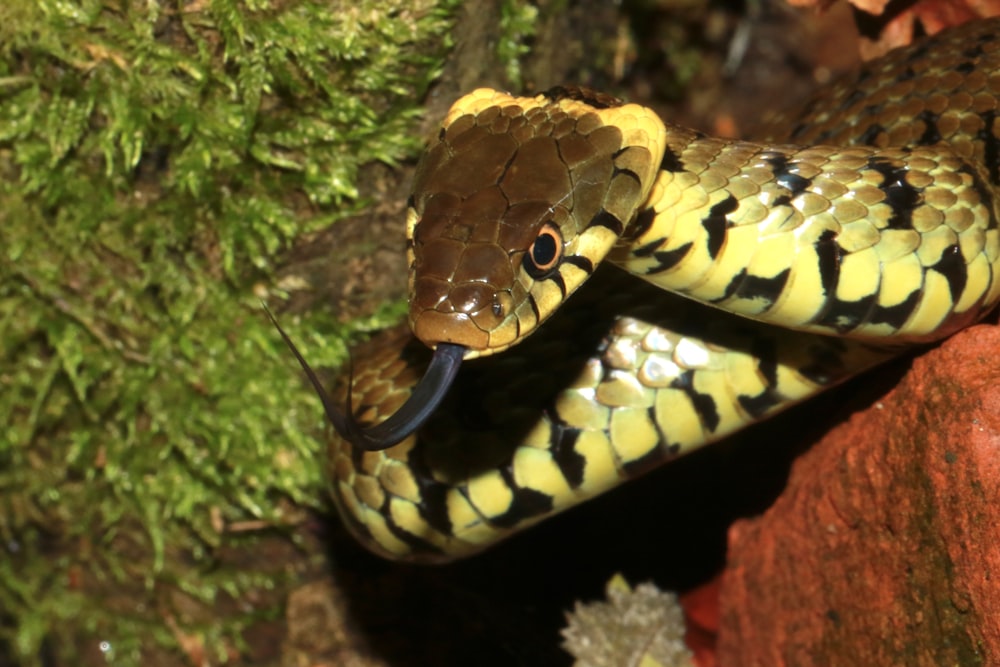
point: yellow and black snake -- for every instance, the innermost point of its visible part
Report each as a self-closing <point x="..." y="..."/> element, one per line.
<point x="874" y="226"/>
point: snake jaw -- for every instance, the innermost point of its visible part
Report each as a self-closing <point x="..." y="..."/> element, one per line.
<point x="433" y="328"/>
<point x="423" y="401"/>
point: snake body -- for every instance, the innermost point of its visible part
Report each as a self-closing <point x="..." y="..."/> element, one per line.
<point x="876" y="226"/>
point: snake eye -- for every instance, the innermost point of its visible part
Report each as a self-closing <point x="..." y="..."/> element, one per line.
<point x="545" y="253"/>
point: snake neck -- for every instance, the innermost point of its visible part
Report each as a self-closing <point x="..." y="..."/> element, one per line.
<point x="898" y="242"/>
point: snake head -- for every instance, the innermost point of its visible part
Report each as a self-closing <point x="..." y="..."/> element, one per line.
<point x="515" y="203"/>
<point x="513" y="206"/>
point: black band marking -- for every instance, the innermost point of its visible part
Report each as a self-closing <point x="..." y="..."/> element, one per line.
<point x="643" y="221"/>
<point x="560" y="282"/>
<point x="901" y="197"/>
<point x="668" y="259"/>
<point x="757" y="406"/>
<point x="991" y="149"/>
<point x="747" y="286"/>
<point x="871" y="134"/>
<point x="608" y="220"/>
<point x="932" y="134"/>
<point x="986" y="199"/>
<point x="571" y="462"/>
<point x="655" y="457"/>
<point x="856" y="95"/>
<point x="647" y="249"/>
<point x="433" y="504"/>
<point x="829" y="253"/>
<point x="703" y="404"/>
<point x="715" y="224"/>
<point x="417" y="544"/>
<point x="534" y="308"/>
<point x="896" y="316"/>
<point x="525" y="504"/>
<point x="952" y="267"/>
<point x="580" y="262"/>
<point x="845" y="316"/>
<point x="671" y="161"/>
<point x="785" y="177"/>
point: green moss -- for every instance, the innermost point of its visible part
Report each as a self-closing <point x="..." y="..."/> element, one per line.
<point x="518" y="24"/>
<point x="154" y="157"/>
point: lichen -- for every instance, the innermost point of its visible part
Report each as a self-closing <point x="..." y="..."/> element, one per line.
<point x="642" y="626"/>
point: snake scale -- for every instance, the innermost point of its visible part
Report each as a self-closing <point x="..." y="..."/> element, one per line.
<point x="872" y="224"/>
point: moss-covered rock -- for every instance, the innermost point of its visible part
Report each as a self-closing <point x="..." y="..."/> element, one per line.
<point x="154" y="158"/>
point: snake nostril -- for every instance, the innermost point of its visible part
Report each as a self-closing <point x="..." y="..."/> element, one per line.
<point x="502" y="306"/>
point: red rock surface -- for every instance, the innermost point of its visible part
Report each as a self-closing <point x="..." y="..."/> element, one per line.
<point x="701" y="615"/>
<point x="884" y="548"/>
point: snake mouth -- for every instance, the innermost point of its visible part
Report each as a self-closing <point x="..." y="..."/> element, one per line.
<point x="421" y="404"/>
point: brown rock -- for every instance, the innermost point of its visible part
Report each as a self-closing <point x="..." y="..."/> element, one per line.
<point x="884" y="549"/>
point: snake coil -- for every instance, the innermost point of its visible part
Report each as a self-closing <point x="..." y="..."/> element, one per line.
<point x="769" y="272"/>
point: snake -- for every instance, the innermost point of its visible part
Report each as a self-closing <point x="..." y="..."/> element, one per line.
<point x="595" y="291"/>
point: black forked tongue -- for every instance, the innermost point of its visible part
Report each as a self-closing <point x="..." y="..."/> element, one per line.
<point x="418" y="407"/>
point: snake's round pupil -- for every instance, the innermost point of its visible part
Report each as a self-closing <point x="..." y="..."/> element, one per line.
<point x="545" y="253"/>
